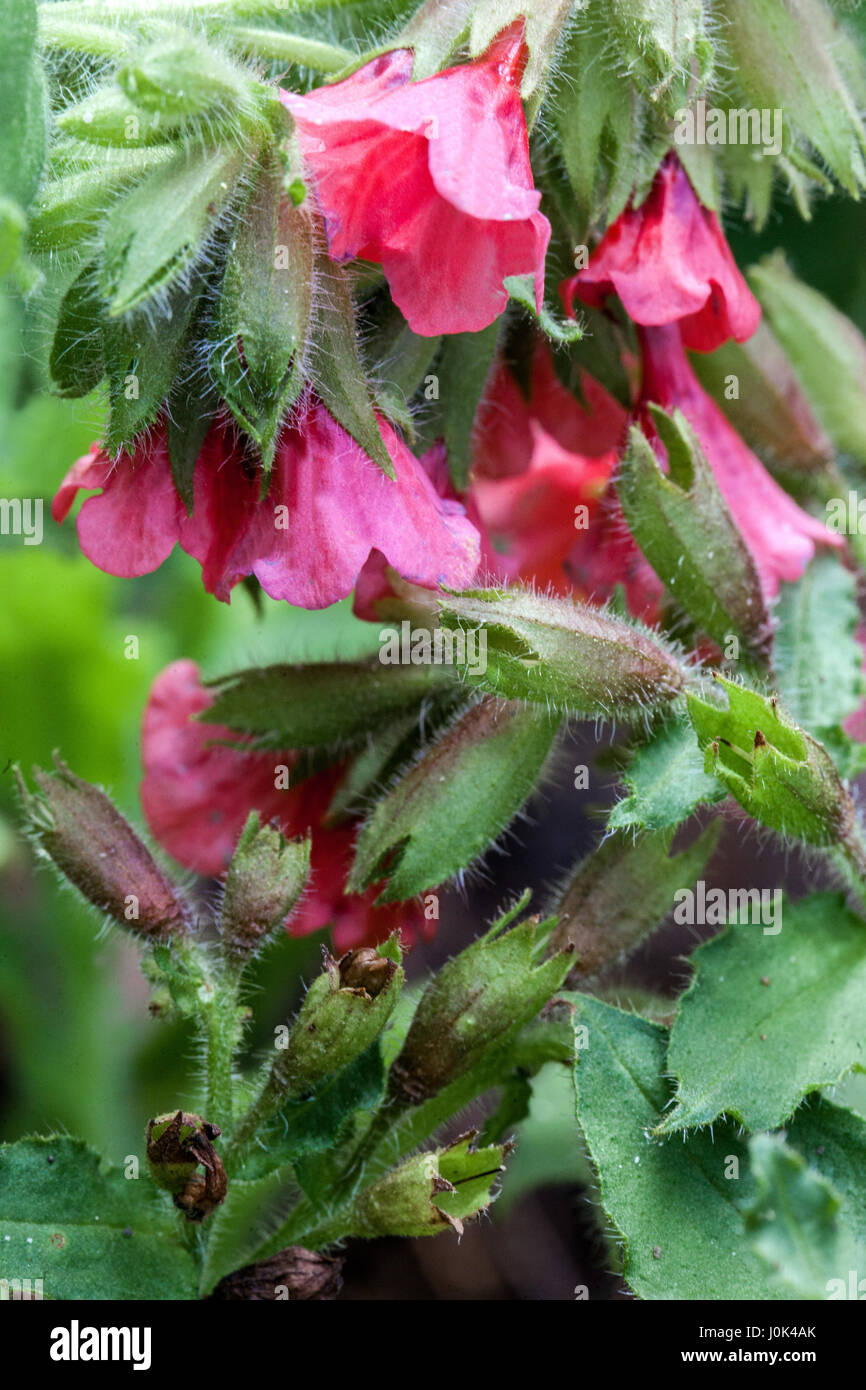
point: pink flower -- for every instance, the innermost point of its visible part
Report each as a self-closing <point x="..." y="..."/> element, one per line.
<point x="328" y="506"/>
<point x="780" y="535"/>
<point x="430" y="179"/>
<point x="197" y="794"/>
<point x="541" y="492"/>
<point x="669" y="262"/>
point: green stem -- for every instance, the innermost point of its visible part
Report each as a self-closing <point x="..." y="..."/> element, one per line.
<point x="290" y="48"/>
<point x="222" y="1034"/>
<point x="130" y="11"/>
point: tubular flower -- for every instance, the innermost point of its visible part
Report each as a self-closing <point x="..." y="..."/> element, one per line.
<point x="430" y="179"/>
<point x="780" y="535"/>
<point x="327" y="507"/>
<point x="197" y="793"/>
<point x="669" y="262"/>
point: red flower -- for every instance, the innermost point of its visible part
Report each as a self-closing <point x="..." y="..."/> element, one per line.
<point x="327" y="508"/>
<point x="197" y="794"/>
<point x="431" y="179"/>
<point x="780" y="535"/>
<point x="669" y="262"/>
<point x="541" y="492"/>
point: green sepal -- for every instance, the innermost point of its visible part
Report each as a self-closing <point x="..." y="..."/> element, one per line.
<point x="685" y="529"/>
<point x="452" y="804"/>
<point x="431" y="1192"/>
<point x="780" y="774"/>
<point x="572" y="657"/>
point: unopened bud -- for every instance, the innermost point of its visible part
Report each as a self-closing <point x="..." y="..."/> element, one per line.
<point x="782" y="776"/>
<point x="295" y="1275"/>
<point x="431" y="1192"/>
<point x="573" y="657"/>
<point x="619" y="894"/>
<point x="77" y="827"/>
<point x="493" y="987"/>
<point x="182" y="78"/>
<point x="343" y="1013"/>
<point x="177" y="1144"/>
<point x="265" y="880"/>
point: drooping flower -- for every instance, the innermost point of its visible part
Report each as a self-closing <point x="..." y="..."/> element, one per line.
<point x="197" y="793"/>
<point x="328" y="506"/>
<point x="780" y="535"/>
<point x="430" y="179"/>
<point x="540" y="491"/>
<point x="669" y="262"/>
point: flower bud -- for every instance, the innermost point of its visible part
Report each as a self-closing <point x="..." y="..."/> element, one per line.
<point x="266" y="878"/>
<point x="431" y="1192"/>
<point x="295" y="1275"/>
<point x="344" y="1011"/>
<point x="183" y="79"/>
<point x="572" y="657"/>
<point x="781" y="775"/>
<point x="492" y="988"/>
<point x="176" y="1145"/>
<point x="621" y="893"/>
<point x="75" y="825"/>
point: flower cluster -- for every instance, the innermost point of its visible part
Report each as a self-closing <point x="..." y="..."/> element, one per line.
<point x="431" y="180"/>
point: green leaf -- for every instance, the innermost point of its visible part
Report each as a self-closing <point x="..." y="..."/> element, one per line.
<point x="144" y="253"/>
<point x="817" y="656"/>
<point x="314" y="705"/>
<point x="671" y="1198"/>
<point x="797" y="1224"/>
<point x="463" y="367"/>
<point x="77" y="362"/>
<point x="336" y="368"/>
<point x="521" y="288"/>
<point x="683" y="526"/>
<point x="237" y="1227"/>
<point x="23" y="102"/>
<point x="70" y="208"/>
<point x="666" y="781"/>
<point x="772" y="1013"/>
<point x="264" y="311"/>
<point x="84" y="1229"/>
<point x="621" y="892"/>
<point x="451" y="806"/>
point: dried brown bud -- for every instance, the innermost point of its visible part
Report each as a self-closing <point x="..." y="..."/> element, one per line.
<point x="293" y="1274"/>
<point x="77" y="827"/>
<point x="365" y="969"/>
<point x="176" y="1145"/>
